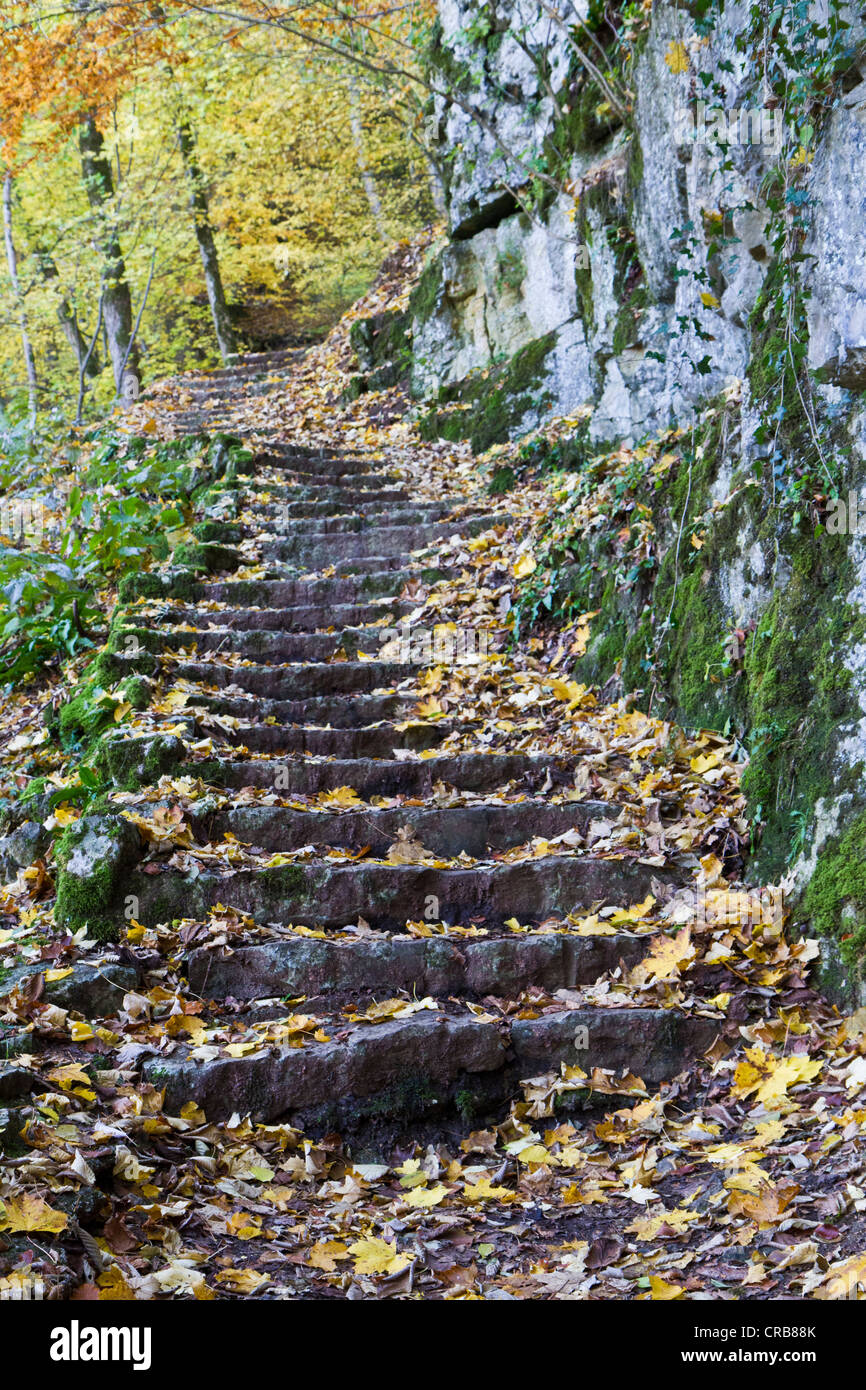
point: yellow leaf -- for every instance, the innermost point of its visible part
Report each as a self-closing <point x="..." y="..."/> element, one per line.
<point x="425" y="1196"/>
<point x="676" y="57"/>
<point x="709" y="300"/>
<point x="242" y="1280"/>
<point x="325" y="1254"/>
<point x="30" y="1213"/>
<point x="483" y="1191"/>
<point x="113" y="1286"/>
<point x="704" y="761"/>
<point x="633" y="914"/>
<point x="668" y="957"/>
<point x="661" y="1291"/>
<point x="344" y="797"/>
<point x="72" y="1074"/>
<point x="524" y="566"/>
<point x="375" y="1256"/>
<point x="648" y="1227"/>
<point x="244" y="1225"/>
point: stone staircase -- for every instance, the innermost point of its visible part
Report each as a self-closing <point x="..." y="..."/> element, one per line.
<point x="326" y="939"/>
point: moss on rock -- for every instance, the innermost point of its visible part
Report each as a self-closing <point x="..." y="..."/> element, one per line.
<point x="95" y="856"/>
<point x="488" y="407"/>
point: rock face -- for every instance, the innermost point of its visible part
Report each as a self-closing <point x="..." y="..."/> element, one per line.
<point x="837" y="308"/>
<point x="566" y="219"/>
<point x="655" y="236"/>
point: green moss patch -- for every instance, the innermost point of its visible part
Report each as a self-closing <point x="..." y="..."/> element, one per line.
<point x="487" y="407"/>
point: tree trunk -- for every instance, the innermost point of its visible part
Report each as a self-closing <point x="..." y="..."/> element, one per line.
<point x="117" y="303"/>
<point x="198" y="202"/>
<point x="367" y="179"/>
<point x="68" y="318"/>
<point x="12" y="262"/>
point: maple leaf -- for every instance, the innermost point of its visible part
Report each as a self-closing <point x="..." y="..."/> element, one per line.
<point x="325" y="1254"/>
<point x="346" y="798"/>
<point x="766" y="1206"/>
<point x="668" y="958"/>
<point x="425" y="1196"/>
<point x="375" y="1256"/>
<point x="30" y="1213"/>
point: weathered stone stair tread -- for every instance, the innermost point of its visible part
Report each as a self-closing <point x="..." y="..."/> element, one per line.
<point x="374" y="569"/>
<point x="394" y="777"/>
<point x="440" y="965"/>
<point x="294" y="680"/>
<point x="446" y="831"/>
<point x="325" y="500"/>
<point x="389" y="895"/>
<point x="378" y="742"/>
<point x="268" y="645"/>
<point x="414" y="1066"/>
<point x="371" y="541"/>
<point x="330" y="494"/>
<point x="342" y="711"/>
<point x="353" y="471"/>
<point x="300" y="592"/>
<point x="301" y="517"/>
<point x="299" y="618"/>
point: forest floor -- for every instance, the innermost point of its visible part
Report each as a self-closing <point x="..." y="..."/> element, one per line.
<point x="741" y="1177"/>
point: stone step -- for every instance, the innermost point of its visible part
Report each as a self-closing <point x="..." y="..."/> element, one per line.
<point x="296" y="681"/>
<point x="278" y="453"/>
<point x="377" y="742"/>
<point x="299" y="618"/>
<point x="340" y="711"/>
<point x="428" y="1063"/>
<point x="326" y="466"/>
<point x="503" y="966"/>
<point x="355" y="566"/>
<point x="254" y="384"/>
<point x="476" y="828"/>
<point x="477" y="772"/>
<point x="268" y="646"/>
<point x="300" y="591"/>
<point x="248" y="364"/>
<point x="388" y="896"/>
<point x="321" y="548"/>
<point x="324" y="501"/>
<point x="295" y="475"/>
<point x="296" y="518"/>
<point x="335" y="494"/>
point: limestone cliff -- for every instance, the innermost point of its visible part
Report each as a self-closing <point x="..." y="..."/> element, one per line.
<point x="674" y="233"/>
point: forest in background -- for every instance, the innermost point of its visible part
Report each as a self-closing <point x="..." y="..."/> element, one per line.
<point x="206" y="179"/>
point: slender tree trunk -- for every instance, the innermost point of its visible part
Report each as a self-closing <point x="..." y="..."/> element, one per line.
<point x="117" y="303"/>
<point x="357" y="129"/>
<point x="198" y="202"/>
<point x="69" y="318"/>
<point x="12" y="262"/>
